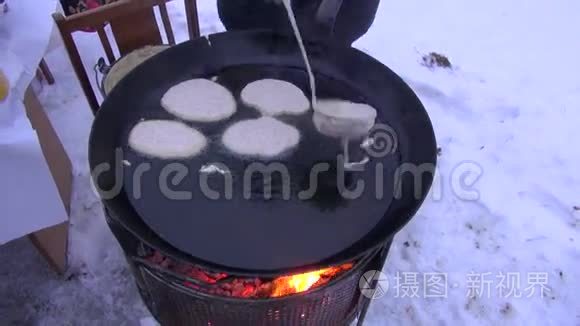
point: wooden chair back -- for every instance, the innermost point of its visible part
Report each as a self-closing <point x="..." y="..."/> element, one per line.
<point x="133" y="25"/>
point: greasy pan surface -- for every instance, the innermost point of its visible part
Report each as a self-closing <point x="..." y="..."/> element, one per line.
<point x="263" y="235"/>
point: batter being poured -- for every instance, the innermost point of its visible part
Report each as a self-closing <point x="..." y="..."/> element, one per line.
<point x="290" y="11"/>
<point x="341" y="119"/>
<point x="348" y="19"/>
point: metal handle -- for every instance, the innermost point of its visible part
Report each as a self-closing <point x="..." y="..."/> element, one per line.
<point x="102" y="68"/>
<point x="357" y="166"/>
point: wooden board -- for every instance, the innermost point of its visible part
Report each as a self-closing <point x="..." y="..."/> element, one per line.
<point x="51" y="242"/>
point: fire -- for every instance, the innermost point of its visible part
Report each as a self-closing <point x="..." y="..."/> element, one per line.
<point x="228" y="286"/>
<point x="286" y="285"/>
<point x="297" y="283"/>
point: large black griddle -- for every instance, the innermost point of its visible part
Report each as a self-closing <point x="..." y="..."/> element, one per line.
<point x="267" y="236"/>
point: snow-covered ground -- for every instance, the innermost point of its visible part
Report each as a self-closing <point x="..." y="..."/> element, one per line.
<point x="500" y="225"/>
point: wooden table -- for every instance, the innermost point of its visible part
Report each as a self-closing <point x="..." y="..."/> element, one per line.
<point x="51" y="242"/>
<point x="27" y="28"/>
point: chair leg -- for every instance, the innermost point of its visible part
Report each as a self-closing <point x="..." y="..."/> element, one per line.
<point x="39" y="75"/>
<point x="46" y="72"/>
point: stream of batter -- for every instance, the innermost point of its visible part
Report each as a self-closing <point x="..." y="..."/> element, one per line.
<point x="345" y="138"/>
<point x="290" y="11"/>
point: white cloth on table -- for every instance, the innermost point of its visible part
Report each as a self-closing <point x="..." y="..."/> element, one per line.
<point x="29" y="199"/>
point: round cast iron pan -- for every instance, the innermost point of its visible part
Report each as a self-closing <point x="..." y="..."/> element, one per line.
<point x="265" y="236"/>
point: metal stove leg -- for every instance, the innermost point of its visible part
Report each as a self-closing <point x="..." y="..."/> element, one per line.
<point x="380" y="265"/>
<point x="130" y="246"/>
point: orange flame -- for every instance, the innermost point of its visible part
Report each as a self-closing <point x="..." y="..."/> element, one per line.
<point x="292" y="284"/>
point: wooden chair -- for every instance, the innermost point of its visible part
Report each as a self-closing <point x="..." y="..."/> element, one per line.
<point x="44" y="73"/>
<point x="133" y="24"/>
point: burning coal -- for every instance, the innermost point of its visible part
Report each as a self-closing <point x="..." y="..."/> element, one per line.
<point x="225" y="285"/>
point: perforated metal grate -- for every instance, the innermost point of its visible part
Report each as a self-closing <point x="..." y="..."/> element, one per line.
<point x="335" y="303"/>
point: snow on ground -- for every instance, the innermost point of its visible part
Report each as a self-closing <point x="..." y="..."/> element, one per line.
<point x="505" y="118"/>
